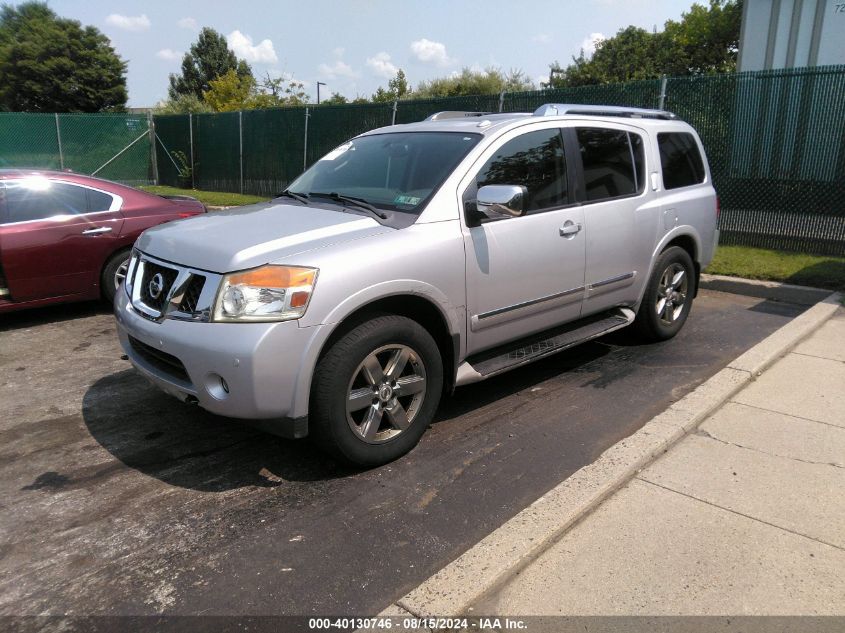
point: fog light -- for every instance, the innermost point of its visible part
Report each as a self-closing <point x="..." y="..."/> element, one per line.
<point x="217" y="386"/>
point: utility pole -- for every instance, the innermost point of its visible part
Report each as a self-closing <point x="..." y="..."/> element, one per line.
<point x="319" y="83"/>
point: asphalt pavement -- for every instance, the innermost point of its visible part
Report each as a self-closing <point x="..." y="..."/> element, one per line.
<point x="116" y="499"/>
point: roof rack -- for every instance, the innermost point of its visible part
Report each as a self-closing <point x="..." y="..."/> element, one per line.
<point x="454" y="114"/>
<point x="555" y="109"/>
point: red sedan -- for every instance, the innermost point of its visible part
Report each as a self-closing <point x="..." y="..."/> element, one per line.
<point x="67" y="237"/>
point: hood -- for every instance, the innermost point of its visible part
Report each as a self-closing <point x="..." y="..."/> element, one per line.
<point x="245" y="237"/>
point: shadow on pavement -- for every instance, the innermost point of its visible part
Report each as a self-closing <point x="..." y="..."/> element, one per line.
<point x="183" y="445"/>
<point x="188" y="447"/>
<point x="33" y="317"/>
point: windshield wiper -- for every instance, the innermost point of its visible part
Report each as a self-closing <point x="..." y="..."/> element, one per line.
<point x="287" y="193"/>
<point x="358" y="202"/>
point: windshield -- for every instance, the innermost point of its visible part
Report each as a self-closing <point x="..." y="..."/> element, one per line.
<point x="398" y="171"/>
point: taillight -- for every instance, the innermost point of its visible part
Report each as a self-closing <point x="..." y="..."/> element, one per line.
<point x="718" y="207"/>
<point x="187" y="215"/>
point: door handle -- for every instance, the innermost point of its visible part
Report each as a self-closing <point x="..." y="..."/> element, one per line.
<point x="97" y="231"/>
<point x="570" y="228"/>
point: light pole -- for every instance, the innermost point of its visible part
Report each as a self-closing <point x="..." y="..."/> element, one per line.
<point x="319" y="83"/>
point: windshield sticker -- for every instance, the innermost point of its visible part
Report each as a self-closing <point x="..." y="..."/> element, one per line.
<point x="337" y="151"/>
<point x="410" y="200"/>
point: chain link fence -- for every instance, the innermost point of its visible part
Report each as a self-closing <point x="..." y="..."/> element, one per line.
<point x="112" y="146"/>
<point x="775" y="142"/>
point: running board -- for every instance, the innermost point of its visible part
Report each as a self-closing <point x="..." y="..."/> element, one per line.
<point x="529" y="349"/>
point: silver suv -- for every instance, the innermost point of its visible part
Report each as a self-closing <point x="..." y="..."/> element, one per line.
<point x="417" y="258"/>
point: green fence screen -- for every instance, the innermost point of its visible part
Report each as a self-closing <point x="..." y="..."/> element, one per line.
<point x="112" y="146"/>
<point x="775" y="142"/>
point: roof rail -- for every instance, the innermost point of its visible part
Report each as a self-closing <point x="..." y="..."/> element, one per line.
<point x="454" y="114"/>
<point x="554" y="109"/>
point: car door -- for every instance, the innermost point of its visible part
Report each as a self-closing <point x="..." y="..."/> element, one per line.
<point x="55" y="237"/>
<point x="617" y="213"/>
<point x="523" y="274"/>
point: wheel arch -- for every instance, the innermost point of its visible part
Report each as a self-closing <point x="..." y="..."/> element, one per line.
<point x="418" y="307"/>
<point x="100" y="277"/>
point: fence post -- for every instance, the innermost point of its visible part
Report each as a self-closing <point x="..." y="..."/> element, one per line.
<point x="152" y="127"/>
<point x="241" y="145"/>
<point x="501" y="100"/>
<point x="662" y="92"/>
<point x="305" y="148"/>
<point x="191" y="141"/>
<point x="393" y="119"/>
<point x="59" y="140"/>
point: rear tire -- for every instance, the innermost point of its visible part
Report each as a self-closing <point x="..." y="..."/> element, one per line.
<point x="114" y="272"/>
<point x="375" y="391"/>
<point x="668" y="296"/>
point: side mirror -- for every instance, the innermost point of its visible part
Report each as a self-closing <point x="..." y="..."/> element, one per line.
<point x="501" y="201"/>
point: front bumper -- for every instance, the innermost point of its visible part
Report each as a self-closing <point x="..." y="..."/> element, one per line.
<point x="239" y="370"/>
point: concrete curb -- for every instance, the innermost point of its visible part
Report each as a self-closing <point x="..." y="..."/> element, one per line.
<point x="774" y="290"/>
<point x="490" y="563"/>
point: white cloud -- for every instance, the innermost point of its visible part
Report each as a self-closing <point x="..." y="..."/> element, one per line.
<point x="589" y="43"/>
<point x="169" y="54"/>
<point x="188" y="23"/>
<point x="431" y="52"/>
<point x="382" y="66"/>
<point x="129" y="22"/>
<point x="261" y="53"/>
<point x="338" y="68"/>
<point x="542" y="38"/>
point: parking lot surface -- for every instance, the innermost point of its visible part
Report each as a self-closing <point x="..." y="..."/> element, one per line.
<point x="116" y="499"/>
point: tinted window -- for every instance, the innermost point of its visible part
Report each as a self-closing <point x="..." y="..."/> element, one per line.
<point x="613" y="164"/>
<point x="40" y="198"/>
<point x="98" y="201"/>
<point x="680" y="159"/>
<point x="534" y="160"/>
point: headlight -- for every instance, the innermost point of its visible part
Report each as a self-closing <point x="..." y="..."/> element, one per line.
<point x="269" y="293"/>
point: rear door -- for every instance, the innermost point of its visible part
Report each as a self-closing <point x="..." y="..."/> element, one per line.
<point x="55" y="237"/>
<point x="618" y="212"/>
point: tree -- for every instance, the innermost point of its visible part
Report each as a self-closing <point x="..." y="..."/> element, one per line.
<point x="706" y="40"/>
<point x="335" y="99"/>
<point x="208" y="58"/>
<point x="52" y="64"/>
<point x="231" y="92"/>
<point x="397" y="88"/>
<point x="183" y="104"/>
<point x="473" y="82"/>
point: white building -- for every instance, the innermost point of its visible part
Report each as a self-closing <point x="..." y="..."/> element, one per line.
<point x="791" y="34"/>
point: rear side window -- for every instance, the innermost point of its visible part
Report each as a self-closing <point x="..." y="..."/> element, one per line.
<point x="534" y="160"/>
<point x="613" y="162"/>
<point x="680" y="160"/>
<point x="98" y="201"/>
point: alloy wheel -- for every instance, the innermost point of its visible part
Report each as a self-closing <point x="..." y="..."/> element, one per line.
<point x="386" y="393"/>
<point x="672" y="293"/>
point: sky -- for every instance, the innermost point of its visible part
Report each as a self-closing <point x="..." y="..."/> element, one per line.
<point x="355" y="46"/>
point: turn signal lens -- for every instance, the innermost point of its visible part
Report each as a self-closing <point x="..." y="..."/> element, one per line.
<point x="269" y="293"/>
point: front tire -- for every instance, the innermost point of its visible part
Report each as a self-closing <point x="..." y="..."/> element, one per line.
<point x="668" y="296"/>
<point x="114" y="272"/>
<point x="376" y="390"/>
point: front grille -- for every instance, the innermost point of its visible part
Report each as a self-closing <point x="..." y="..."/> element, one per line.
<point x="168" y="276"/>
<point x="164" y="362"/>
<point x="192" y="294"/>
